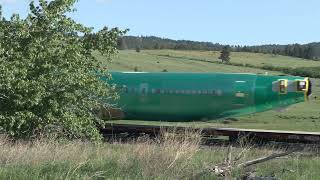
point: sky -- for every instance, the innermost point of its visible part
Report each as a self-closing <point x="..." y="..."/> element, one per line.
<point x="235" y="22"/>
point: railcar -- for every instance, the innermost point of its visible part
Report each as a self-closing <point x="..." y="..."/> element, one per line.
<point x="196" y="96"/>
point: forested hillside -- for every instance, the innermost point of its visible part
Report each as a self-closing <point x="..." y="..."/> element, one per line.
<point x="152" y="42"/>
<point x="306" y="51"/>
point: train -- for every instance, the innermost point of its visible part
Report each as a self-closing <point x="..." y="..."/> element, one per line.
<point x="174" y="96"/>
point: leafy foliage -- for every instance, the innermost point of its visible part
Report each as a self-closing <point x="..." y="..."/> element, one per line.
<point x="306" y="71"/>
<point x="313" y="72"/>
<point x="49" y="82"/>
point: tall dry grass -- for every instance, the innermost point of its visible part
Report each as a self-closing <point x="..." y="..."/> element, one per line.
<point x="42" y="151"/>
<point x="169" y="156"/>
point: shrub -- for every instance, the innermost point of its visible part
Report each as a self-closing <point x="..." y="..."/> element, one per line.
<point x="306" y="72"/>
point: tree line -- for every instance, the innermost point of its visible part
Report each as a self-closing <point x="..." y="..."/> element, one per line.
<point x="152" y="42"/>
<point x="307" y="51"/>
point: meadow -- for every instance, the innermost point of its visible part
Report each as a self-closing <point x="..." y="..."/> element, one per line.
<point x="175" y="60"/>
<point x="299" y="117"/>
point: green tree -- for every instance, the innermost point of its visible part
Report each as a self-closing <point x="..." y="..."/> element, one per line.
<point x="156" y="46"/>
<point x="49" y="79"/>
<point x="225" y="54"/>
<point x="137" y="49"/>
<point x="308" y="53"/>
<point x="122" y="45"/>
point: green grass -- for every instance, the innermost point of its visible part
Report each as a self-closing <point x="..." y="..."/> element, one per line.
<point x="173" y="158"/>
<point x="147" y="61"/>
<point x="256" y="59"/>
<point x="150" y="62"/>
<point x="300" y="117"/>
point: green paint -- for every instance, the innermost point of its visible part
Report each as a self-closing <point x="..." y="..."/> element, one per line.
<point x="196" y="96"/>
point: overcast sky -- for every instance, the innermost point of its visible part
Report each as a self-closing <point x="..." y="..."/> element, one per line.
<point x="244" y="22"/>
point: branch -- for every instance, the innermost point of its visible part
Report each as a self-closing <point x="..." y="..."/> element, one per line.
<point x="263" y="159"/>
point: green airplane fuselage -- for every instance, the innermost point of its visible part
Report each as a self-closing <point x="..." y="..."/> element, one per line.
<point x="195" y="96"/>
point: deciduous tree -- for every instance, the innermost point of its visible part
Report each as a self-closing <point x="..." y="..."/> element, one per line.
<point x="49" y="82"/>
<point x="225" y="54"/>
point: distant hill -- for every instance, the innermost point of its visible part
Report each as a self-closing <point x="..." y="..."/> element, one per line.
<point x="152" y="42"/>
<point x="306" y="51"/>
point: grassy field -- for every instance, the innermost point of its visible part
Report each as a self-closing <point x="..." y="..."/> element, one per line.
<point x="150" y="62"/>
<point x="256" y="59"/>
<point x="173" y="158"/>
<point x="157" y="60"/>
<point x="301" y="117"/>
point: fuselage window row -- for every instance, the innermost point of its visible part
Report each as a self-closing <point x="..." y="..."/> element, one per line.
<point x="170" y="91"/>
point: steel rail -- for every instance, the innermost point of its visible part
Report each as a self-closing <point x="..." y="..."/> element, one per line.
<point x="233" y="133"/>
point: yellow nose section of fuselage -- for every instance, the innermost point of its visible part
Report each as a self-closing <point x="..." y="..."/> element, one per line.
<point x="284" y="86"/>
<point x="305" y="87"/>
<point x="308" y="90"/>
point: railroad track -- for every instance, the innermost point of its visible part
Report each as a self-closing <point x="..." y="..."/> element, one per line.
<point x="233" y="134"/>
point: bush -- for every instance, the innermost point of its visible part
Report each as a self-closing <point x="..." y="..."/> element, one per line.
<point x="48" y="83"/>
<point x="313" y="72"/>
